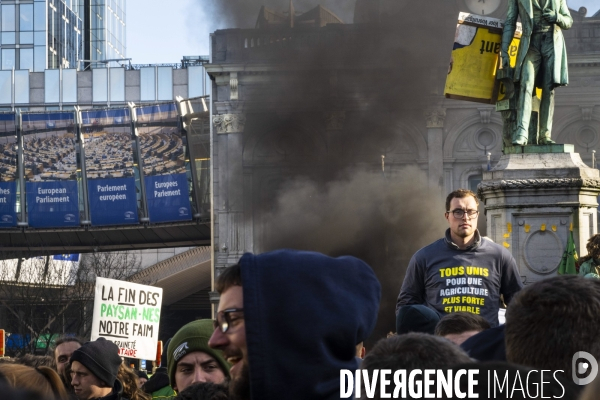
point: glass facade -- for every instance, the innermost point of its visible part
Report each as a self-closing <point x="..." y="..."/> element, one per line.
<point x="65" y="41"/>
<point x="40" y="34"/>
<point x="107" y="31"/>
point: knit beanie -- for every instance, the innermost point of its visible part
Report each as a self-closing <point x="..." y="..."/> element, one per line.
<point x="101" y="357"/>
<point x="190" y="338"/>
<point x="416" y="318"/>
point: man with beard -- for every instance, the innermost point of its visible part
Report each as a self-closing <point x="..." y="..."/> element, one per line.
<point x="63" y="349"/>
<point x="191" y="360"/>
<point x="289" y="321"/>
<point x="461" y="272"/>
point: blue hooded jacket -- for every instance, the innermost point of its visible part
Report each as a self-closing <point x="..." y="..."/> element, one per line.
<point x="304" y="315"/>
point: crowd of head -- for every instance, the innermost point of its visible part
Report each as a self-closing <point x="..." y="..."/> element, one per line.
<point x="290" y="323"/>
<point x="94" y="370"/>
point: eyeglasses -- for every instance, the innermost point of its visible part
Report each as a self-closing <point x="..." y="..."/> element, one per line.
<point x="460" y="213"/>
<point x="224" y="320"/>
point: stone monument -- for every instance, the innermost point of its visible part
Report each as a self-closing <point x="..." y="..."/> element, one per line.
<point x="539" y="191"/>
<point x="533" y="197"/>
<point x="541" y="62"/>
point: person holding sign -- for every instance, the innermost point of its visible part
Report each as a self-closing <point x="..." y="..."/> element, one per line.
<point x="190" y="360"/>
<point x="94" y="369"/>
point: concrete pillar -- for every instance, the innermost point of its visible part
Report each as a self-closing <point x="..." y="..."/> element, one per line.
<point x="435" y="146"/>
<point x="229" y="188"/>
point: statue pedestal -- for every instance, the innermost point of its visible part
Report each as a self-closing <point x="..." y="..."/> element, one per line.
<point x="533" y="197"/>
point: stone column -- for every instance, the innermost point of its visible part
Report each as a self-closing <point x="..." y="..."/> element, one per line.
<point x="533" y="197"/>
<point x="435" y="146"/>
<point x="228" y="184"/>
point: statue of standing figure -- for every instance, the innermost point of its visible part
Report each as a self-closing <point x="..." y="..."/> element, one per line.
<point x="541" y="60"/>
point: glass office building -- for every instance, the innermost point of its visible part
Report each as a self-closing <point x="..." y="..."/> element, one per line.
<point x="46" y="34"/>
<point x="105" y="29"/>
<point x="36" y="35"/>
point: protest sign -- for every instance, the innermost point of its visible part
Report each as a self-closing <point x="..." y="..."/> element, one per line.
<point x="475" y="59"/>
<point x="128" y="314"/>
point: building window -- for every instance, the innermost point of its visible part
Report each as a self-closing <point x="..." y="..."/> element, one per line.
<point x="8" y="18"/>
<point x="26" y="59"/>
<point x="26" y="38"/>
<point x="474" y="180"/>
<point x="39" y="58"/>
<point x="8" y="38"/>
<point x="8" y="58"/>
<point x="26" y="15"/>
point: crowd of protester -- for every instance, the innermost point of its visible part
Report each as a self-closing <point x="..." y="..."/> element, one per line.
<point x="292" y="340"/>
<point x="289" y="322"/>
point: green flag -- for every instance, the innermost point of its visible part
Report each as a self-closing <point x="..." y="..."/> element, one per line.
<point x="569" y="258"/>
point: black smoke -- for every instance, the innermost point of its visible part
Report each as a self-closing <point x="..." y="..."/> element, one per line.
<point x="331" y="193"/>
<point x="243" y="14"/>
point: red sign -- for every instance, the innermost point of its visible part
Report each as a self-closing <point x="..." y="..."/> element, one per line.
<point x="2" y="341"/>
<point x="159" y="351"/>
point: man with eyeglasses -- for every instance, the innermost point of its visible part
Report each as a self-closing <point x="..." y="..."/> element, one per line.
<point x="461" y="272"/>
<point x="289" y="321"/>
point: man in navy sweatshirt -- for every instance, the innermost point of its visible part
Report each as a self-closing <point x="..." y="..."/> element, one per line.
<point x="461" y="271"/>
<point x="289" y="321"/>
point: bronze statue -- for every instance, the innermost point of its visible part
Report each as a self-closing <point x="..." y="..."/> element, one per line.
<point x="541" y="60"/>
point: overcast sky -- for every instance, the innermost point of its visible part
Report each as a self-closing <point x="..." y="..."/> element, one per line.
<point x="162" y="32"/>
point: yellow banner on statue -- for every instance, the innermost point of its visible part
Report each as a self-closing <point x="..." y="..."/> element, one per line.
<point x="475" y="59"/>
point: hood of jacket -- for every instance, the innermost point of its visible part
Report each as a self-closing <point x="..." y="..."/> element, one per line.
<point x="116" y="394"/>
<point x="156" y="382"/>
<point x="304" y="315"/>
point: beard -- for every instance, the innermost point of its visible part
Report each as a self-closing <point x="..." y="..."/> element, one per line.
<point x="239" y="389"/>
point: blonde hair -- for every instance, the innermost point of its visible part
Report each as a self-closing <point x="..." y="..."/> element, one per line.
<point x="41" y="380"/>
<point x="129" y="379"/>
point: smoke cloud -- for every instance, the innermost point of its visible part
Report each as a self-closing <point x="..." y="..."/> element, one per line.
<point x="382" y="220"/>
<point x="332" y="196"/>
<point x="361" y="211"/>
<point x="243" y="13"/>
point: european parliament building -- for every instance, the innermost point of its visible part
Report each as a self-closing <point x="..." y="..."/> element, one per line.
<point x="95" y="153"/>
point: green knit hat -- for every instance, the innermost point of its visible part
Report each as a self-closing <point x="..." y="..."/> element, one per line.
<point x="190" y="338"/>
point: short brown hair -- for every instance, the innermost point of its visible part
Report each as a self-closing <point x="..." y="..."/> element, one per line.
<point x="561" y="313"/>
<point x="460" y="322"/>
<point x="459" y="194"/>
<point x="44" y="381"/>
<point x="414" y="350"/>
<point x="231" y="276"/>
<point x="66" y="339"/>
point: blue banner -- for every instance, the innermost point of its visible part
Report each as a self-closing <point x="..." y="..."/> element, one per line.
<point x="105" y="117"/>
<point x="66" y="257"/>
<point x="8" y="123"/>
<point x="167" y="197"/>
<point x="52" y="204"/>
<point x="8" y="200"/>
<point x="113" y="201"/>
